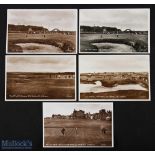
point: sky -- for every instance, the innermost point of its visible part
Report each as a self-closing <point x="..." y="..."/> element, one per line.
<point x="134" y="19"/>
<point x="50" y="108"/>
<point x="113" y="63"/>
<point x="64" y="19"/>
<point x="65" y="63"/>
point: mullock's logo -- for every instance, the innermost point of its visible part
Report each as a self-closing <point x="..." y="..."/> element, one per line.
<point x="16" y="144"/>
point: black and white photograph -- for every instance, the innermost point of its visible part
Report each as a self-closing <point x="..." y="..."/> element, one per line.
<point x="41" y="31"/>
<point x="77" y="124"/>
<point x="32" y="78"/>
<point x="114" y="77"/>
<point x="114" y="30"/>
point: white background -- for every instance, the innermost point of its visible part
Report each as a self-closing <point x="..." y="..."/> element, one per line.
<point x="77" y="2"/>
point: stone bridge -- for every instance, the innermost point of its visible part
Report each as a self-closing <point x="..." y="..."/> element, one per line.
<point x="55" y="30"/>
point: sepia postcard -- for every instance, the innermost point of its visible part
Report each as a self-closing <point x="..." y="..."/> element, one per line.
<point x="33" y="78"/>
<point x="114" y="30"/>
<point x="77" y="124"/>
<point x="114" y="77"/>
<point x="41" y="31"/>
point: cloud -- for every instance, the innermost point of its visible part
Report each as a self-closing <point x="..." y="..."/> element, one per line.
<point x="64" y="19"/>
<point x="113" y="63"/>
<point x="135" y="19"/>
<point x="41" y="63"/>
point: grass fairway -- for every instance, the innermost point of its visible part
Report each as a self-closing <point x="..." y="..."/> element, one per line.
<point x="137" y="41"/>
<point x="39" y="88"/>
<point x="88" y="132"/>
<point x="67" y="43"/>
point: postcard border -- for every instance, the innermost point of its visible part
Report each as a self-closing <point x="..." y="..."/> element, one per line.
<point x="39" y="99"/>
<point x="44" y="53"/>
<point x="107" y="53"/>
<point x="112" y="146"/>
<point x="112" y="100"/>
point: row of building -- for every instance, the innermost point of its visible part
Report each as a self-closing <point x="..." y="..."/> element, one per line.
<point x="108" y="76"/>
<point x="80" y="114"/>
<point x="36" y="30"/>
<point x="31" y="31"/>
<point x="108" y="30"/>
<point x="58" y="75"/>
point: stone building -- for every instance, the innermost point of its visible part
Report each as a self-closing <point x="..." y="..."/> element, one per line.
<point x="78" y="114"/>
<point x="65" y="75"/>
<point x="30" y="31"/>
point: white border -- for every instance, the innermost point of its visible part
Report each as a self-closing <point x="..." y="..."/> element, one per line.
<point x="80" y="146"/>
<point x="28" y="99"/>
<point x="65" y="53"/>
<point x="108" y="53"/>
<point x="111" y="100"/>
<point x="78" y="2"/>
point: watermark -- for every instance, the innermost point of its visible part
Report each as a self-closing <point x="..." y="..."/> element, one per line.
<point x="16" y="144"/>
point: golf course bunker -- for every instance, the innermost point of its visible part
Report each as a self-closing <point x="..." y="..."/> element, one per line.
<point x="38" y="48"/>
<point x="86" y="88"/>
<point x="113" y="47"/>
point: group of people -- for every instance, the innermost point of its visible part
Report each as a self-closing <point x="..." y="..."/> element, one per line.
<point x="63" y="131"/>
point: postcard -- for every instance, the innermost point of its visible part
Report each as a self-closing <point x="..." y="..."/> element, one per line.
<point x="41" y="31"/>
<point x="114" y="30"/>
<point x="40" y="77"/>
<point x="114" y="77"/>
<point x="77" y="124"/>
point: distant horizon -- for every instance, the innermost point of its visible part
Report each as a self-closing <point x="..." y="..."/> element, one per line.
<point x="113" y="27"/>
<point x="79" y="110"/>
<point x="37" y="26"/>
<point x="114" y="72"/>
